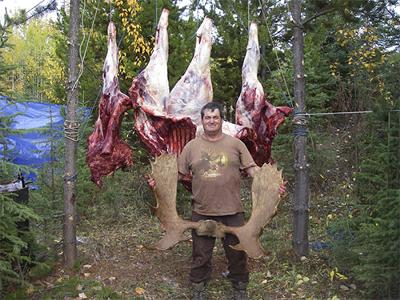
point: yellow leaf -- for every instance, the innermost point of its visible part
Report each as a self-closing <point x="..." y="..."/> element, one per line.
<point x="341" y="276"/>
<point x="139" y="291"/>
<point x="332" y="275"/>
<point x="30" y="290"/>
<point x="299" y="282"/>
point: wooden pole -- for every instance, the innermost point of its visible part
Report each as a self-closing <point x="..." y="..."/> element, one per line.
<point x="300" y="130"/>
<point x="71" y="138"/>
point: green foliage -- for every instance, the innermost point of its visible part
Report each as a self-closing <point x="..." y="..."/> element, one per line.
<point x="14" y="241"/>
<point x="42" y="269"/>
<point x="350" y="64"/>
<point x="94" y="19"/>
<point x="320" y="86"/>
<point x="377" y="242"/>
<point x="370" y="239"/>
<point x="36" y="69"/>
<point x="231" y="19"/>
<point x="5" y="68"/>
<point x="73" y="287"/>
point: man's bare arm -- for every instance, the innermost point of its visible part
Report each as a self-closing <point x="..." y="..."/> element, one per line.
<point x="252" y="170"/>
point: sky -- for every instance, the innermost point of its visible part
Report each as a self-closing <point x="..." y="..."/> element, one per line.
<point x="14" y="5"/>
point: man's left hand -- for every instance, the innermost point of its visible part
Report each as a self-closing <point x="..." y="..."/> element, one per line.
<point x="282" y="188"/>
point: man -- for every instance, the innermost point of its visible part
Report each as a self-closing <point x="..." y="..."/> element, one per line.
<point x="215" y="161"/>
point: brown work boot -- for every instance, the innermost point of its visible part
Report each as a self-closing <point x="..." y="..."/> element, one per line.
<point x="199" y="290"/>
<point x="239" y="290"/>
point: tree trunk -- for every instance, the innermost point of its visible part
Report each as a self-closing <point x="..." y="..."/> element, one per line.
<point x="300" y="131"/>
<point x="71" y="130"/>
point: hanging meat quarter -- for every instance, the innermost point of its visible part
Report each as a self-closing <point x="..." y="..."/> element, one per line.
<point x="165" y="121"/>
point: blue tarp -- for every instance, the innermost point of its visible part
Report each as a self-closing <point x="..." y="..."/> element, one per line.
<point x="40" y="123"/>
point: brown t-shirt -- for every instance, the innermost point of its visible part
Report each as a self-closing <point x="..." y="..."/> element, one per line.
<point x="215" y="167"/>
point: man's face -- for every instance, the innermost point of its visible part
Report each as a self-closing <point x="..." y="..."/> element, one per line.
<point x="212" y="122"/>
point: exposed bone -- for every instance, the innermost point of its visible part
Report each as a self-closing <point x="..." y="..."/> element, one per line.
<point x="265" y="199"/>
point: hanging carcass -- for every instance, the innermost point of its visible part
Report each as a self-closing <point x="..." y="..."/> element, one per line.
<point x="106" y="151"/>
<point x="165" y="121"/>
<point x="252" y="108"/>
<point x="159" y="131"/>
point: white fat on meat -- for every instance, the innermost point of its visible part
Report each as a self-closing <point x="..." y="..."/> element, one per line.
<point x="153" y="80"/>
<point x="194" y="89"/>
<point x="251" y="99"/>
<point x="159" y="131"/>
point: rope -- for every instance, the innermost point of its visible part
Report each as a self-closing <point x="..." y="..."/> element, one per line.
<point x="196" y="10"/>
<point x="110" y="13"/>
<point x="71" y="130"/>
<point x="276" y="54"/>
<point x="240" y="19"/>
<point x="82" y="57"/>
<point x="156" y="14"/>
<point x="388" y="148"/>
<point x="248" y="14"/>
<point x="71" y="178"/>
<point x="300" y="119"/>
<point x="334" y="113"/>
<point x="35" y="6"/>
<point x="300" y="131"/>
<point x="95" y="104"/>
<point x="288" y="101"/>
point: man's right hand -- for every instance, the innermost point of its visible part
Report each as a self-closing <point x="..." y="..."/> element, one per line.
<point x="186" y="177"/>
<point x="150" y="181"/>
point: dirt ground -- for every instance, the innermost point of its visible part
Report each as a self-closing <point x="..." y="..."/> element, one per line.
<point x="116" y="256"/>
<point x="113" y="255"/>
<point x="123" y="263"/>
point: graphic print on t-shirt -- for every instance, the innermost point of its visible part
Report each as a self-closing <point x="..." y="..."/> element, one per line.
<point x="211" y="164"/>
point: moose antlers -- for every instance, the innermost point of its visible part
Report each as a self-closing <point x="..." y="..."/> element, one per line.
<point x="265" y="200"/>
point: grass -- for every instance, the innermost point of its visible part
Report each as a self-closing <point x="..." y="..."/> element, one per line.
<point x="116" y="264"/>
<point x="117" y="225"/>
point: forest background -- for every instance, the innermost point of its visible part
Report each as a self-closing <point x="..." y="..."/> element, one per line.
<point x="352" y="64"/>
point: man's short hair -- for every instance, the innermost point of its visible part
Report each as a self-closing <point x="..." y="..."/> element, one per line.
<point x="213" y="106"/>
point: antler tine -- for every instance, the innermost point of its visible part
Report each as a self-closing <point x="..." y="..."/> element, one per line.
<point x="165" y="174"/>
<point x="265" y="200"/>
